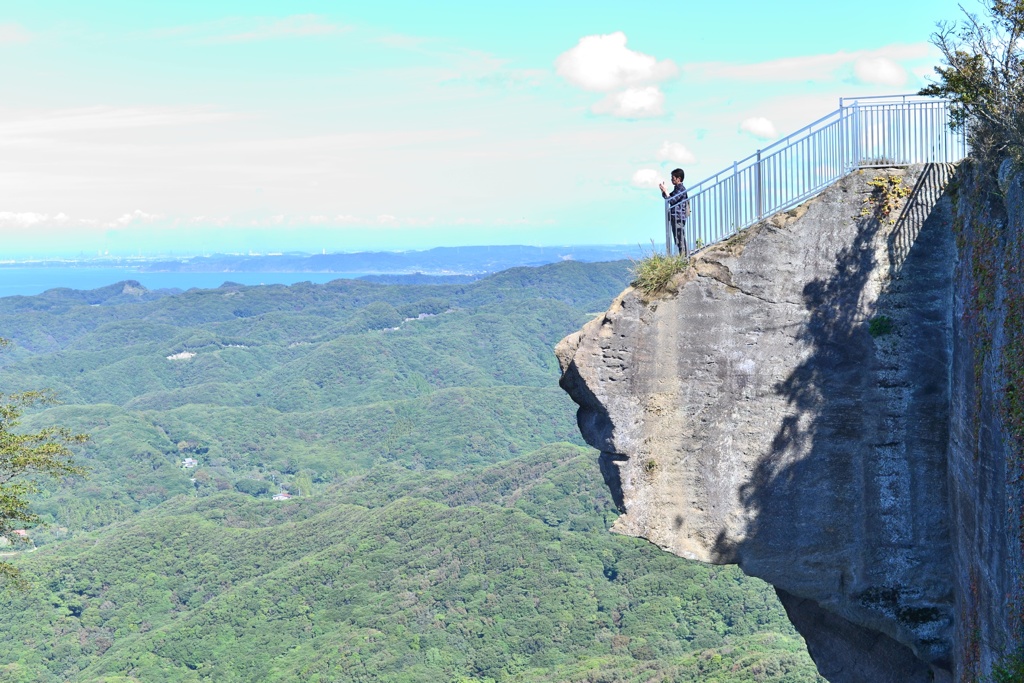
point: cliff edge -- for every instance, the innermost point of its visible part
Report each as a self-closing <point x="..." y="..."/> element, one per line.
<point x="787" y="406"/>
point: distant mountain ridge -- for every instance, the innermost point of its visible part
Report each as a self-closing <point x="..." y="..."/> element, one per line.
<point x="440" y="260"/>
<point x="445" y="261"/>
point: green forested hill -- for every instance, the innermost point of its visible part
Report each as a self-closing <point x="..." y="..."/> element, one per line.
<point x="447" y="524"/>
<point x="504" y="573"/>
<point x="295" y="386"/>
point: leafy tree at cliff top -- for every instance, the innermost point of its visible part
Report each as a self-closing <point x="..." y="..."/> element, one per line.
<point x="984" y="77"/>
<point x="24" y="458"/>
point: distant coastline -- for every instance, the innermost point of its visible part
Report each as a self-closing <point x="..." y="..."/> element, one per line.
<point x="442" y="264"/>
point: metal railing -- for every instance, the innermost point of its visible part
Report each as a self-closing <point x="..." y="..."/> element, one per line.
<point x="865" y="131"/>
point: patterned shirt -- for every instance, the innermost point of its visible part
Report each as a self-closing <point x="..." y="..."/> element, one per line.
<point x="678" y="204"/>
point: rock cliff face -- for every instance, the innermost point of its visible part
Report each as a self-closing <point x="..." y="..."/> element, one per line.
<point x="986" y="460"/>
<point x="787" y="406"/>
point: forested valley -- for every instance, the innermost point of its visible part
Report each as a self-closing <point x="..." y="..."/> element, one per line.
<point x="438" y="517"/>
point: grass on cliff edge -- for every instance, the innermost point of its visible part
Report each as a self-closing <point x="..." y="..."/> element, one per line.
<point x="652" y="273"/>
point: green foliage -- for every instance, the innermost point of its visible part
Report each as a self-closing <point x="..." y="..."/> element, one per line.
<point x="993" y="322"/>
<point x="653" y="273"/>
<point x="450" y="527"/>
<point x="25" y="458"/>
<point x="504" y="573"/>
<point x="252" y="487"/>
<point x="305" y="377"/>
<point x="984" y="79"/>
<point x="880" y="325"/>
<point x="1010" y="669"/>
<point x="1013" y="329"/>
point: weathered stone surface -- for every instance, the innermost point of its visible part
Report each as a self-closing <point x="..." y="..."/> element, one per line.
<point x="986" y="471"/>
<point x="844" y="651"/>
<point x="751" y="417"/>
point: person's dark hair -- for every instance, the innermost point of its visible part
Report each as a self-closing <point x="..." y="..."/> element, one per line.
<point x="678" y="173"/>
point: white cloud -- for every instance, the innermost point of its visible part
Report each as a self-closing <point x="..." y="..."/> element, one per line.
<point x="759" y="127"/>
<point x="603" y="63"/>
<point x="646" y="178"/>
<point x="34" y="219"/>
<point x="13" y="33"/>
<point x="107" y="118"/>
<point x="204" y="220"/>
<point x="676" y="152"/>
<point x="242" y="30"/>
<point x="23" y="219"/>
<point x="298" y="25"/>
<point x="368" y="140"/>
<point x="879" y="71"/>
<point x="136" y="216"/>
<point x="633" y="103"/>
<point x="827" y="67"/>
<point x="512" y="78"/>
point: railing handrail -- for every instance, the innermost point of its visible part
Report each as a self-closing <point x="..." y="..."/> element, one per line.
<point x="753" y="157"/>
<point x="788" y="139"/>
<point x="902" y="98"/>
<point x="801" y="164"/>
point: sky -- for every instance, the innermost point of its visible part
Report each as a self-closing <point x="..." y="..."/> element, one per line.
<point x="196" y="127"/>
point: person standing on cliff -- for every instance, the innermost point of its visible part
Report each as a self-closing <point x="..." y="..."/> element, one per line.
<point x="678" y="209"/>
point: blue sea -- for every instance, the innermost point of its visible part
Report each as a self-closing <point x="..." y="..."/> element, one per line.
<point x="28" y="280"/>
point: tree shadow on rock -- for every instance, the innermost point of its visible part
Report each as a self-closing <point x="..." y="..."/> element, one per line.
<point x="847" y="505"/>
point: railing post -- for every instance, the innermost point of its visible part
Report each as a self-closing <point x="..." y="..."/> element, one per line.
<point x="668" y="231"/>
<point x="856" y="135"/>
<point x="735" y="196"/>
<point x="843" y="136"/>
<point x="758" y="195"/>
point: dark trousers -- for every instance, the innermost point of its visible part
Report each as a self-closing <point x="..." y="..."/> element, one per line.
<point x="679" y="235"/>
